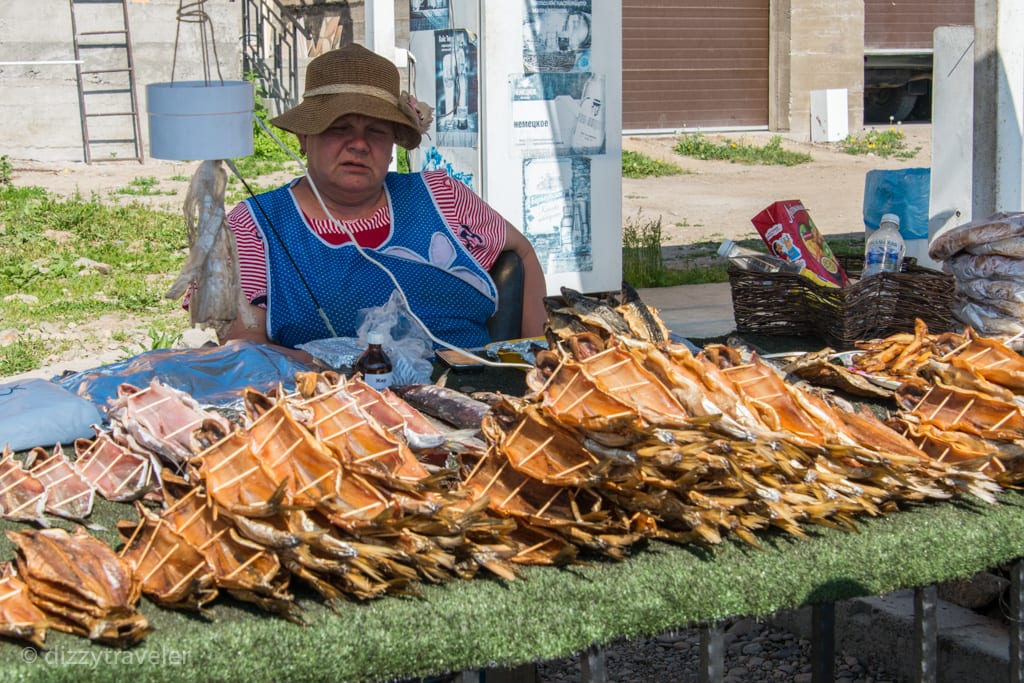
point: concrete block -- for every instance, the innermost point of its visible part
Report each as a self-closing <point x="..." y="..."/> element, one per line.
<point x="829" y="115"/>
<point x="981" y="590"/>
<point x="880" y="631"/>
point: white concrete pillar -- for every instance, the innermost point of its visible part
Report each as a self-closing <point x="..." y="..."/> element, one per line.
<point x="998" y="168"/>
<point x="380" y="37"/>
<point x="380" y="27"/>
<point x="950" y="202"/>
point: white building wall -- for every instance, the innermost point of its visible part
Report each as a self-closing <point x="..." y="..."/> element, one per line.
<point x="38" y="87"/>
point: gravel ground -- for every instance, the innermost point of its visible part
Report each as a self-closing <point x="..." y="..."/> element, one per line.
<point x="755" y="651"/>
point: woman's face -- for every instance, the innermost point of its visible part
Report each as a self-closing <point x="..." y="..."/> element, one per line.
<point x="352" y="156"/>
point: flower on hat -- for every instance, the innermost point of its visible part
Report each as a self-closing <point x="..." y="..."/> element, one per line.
<point x="420" y="114"/>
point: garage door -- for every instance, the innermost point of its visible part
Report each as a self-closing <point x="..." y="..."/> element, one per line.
<point x="694" y="64"/>
<point x="892" y="25"/>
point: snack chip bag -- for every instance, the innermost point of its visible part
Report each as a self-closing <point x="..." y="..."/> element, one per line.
<point x="790" y="234"/>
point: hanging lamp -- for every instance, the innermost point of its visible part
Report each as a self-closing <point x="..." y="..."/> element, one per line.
<point x="199" y="120"/>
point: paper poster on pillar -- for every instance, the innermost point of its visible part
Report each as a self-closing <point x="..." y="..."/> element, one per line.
<point x="556" y="35"/>
<point x="558" y="114"/>
<point x="567" y="202"/>
<point x="445" y="145"/>
<point x="556" y="213"/>
<point x="455" y="113"/>
<point x="458" y="162"/>
<point x="429" y="15"/>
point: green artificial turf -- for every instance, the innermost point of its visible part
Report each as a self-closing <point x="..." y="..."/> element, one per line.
<point x="550" y="614"/>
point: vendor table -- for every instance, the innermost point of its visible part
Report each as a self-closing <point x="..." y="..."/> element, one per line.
<point x="476" y="625"/>
<point x="549" y="614"/>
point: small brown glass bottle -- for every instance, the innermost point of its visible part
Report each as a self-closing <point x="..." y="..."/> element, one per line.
<point x="374" y="363"/>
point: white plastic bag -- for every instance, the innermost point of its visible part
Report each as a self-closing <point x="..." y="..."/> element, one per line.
<point x="405" y="342"/>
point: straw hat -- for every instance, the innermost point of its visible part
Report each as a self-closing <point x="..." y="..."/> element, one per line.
<point x="355" y="80"/>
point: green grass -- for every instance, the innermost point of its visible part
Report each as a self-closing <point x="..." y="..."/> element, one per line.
<point x="698" y="146"/>
<point x="5" y="170"/>
<point x="638" y="165"/>
<point x="643" y="262"/>
<point x="641" y="251"/>
<point x="884" y="143"/>
<point x="42" y="238"/>
<point x="144" y="186"/>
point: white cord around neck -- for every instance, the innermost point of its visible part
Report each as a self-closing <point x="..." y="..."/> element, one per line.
<point x="363" y="252"/>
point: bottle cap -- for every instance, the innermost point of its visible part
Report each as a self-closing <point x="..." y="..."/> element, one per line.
<point x="889" y="218"/>
<point x="726" y="247"/>
<point x="374" y="338"/>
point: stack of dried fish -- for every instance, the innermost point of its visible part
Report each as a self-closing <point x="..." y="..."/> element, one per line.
<point x="78" y="583"/>
<point x="19" y="616"/>
<point x="624" y="435"/>
<point x="150" y="428"/>
<point x="961" y="397"/>
<point x="316" y="485"/>
<point x="628" y="434"/>
<point x="43" y="483"/>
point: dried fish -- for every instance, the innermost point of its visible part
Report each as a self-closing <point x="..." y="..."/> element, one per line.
<point x="81" y="584"/>
<point x="449" y="405"/>
<point x="68" y="494"/>
<point x="19" y="616"/>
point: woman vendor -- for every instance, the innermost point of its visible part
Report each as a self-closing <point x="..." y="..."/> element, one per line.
<point x="438" y="239"/>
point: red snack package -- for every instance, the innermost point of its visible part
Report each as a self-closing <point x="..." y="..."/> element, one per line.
<point x="790" y="234"/>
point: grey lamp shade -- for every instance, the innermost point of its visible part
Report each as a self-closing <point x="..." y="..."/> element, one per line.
<point x="200" y="120"/>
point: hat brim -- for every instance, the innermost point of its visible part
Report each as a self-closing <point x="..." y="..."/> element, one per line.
<point x="315" y="114"/>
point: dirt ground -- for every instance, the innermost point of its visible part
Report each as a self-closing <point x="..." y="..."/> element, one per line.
<point x="715" y="200"/>
<point x="710" y="201"/>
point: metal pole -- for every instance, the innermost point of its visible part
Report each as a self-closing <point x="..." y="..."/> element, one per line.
<point x="1016" y="620"/>
<point x="926" y="634"/>
<point x="712" y="654"/>
<point x="593" y="666"/>
<point x="823" y="642"/>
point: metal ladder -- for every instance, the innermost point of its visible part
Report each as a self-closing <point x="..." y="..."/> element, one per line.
<point x="107" y="99"/>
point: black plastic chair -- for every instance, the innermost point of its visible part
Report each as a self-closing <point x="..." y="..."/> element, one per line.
<point x="509" y="276"/>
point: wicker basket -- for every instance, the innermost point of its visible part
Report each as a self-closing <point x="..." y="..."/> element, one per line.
<point x="787" y="304"/>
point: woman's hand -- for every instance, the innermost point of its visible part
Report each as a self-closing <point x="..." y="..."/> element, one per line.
<point x="258" y="333"/>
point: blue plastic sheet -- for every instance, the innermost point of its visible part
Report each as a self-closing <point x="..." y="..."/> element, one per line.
<point x="213" y="375"/>
<point x="904" y="192"/>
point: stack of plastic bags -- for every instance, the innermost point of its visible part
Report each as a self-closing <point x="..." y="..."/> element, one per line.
<point x="986" y="259"/>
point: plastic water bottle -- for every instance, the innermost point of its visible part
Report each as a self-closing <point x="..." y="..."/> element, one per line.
<point x="749" y="259"/>
<point x="884" y="250"/>
<point x="374" y="363"/>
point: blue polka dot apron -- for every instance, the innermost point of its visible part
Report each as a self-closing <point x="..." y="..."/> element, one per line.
<point x="445" y="286"/>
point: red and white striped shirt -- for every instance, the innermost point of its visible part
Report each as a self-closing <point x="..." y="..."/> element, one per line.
<point x="480" y="228"/>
